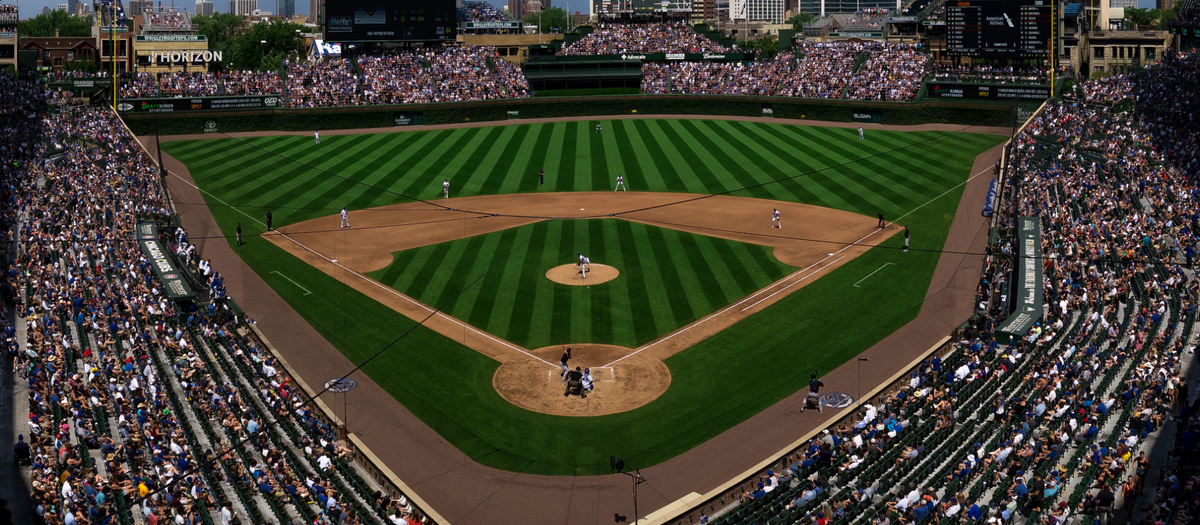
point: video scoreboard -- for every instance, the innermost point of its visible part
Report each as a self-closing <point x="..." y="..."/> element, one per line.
<point x="389" y="20"/>
<point x="999" y="28"/>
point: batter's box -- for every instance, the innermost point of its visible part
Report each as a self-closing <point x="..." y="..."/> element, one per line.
<point x="600" y="374"/>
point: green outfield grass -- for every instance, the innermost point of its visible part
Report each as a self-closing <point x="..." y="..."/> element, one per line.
<point x="715" y="384"/>
<point x="668" y="279"/>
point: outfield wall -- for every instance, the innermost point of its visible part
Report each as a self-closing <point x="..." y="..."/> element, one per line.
<point x="360" y="117"/>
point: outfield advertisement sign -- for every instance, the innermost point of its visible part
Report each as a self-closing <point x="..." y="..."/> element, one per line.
<point x="869" y="117"/>
<point x="768" y="111"/>
<point x="162" y="263"/>
<point x="172" y="105"/>
<point x="988" y="91"/>
<point x="513" y="113"/>
<point x="690" y="57"/>
<point x="1027" y="285"/>
<point x="409" y="119"/>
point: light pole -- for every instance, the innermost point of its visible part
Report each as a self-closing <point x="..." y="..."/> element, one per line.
<point x="860" y="362"/>
<point x="618" y="465"/>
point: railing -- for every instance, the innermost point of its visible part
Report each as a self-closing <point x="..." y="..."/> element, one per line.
<point x="687" y="511"/>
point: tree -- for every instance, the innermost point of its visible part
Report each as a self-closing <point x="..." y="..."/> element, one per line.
<point x="67" y="25"/>
<point x="1137" y="16"/>
<point x="282" y="42"/>
<point x="799" y="19"/>
<point x="1165" y="17"/>
<point x="552" y="18"/>
<point x="765" y="47"/>
<point x="219" y="30"/>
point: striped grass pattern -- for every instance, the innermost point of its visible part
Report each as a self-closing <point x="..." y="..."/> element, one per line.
<point x="695" y="156"/>
<point x="668" y="279"/>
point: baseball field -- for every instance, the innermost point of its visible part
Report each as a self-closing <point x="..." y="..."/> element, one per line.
<point x="486" y="267"/>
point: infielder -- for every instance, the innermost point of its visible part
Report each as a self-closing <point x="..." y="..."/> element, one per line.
<point x="345" y="218"/>
<point x="562" y="361"/>
<point x="583" y="262"/>
<point x="775" y="221"/>
<point x="906" y="238"/>
<point x="620" y="183"/>
<point x="446" y="188"/>
<point x="317" y="135"/>
<point x="860" y="133"/>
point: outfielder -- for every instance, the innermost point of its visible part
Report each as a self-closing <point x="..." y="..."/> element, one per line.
<point x="317" y="135"/>
<point x="583" y="262"/>
<point x="860" y="133"/>
<point x="775" y="221"/>
<point x="345" y="218"/>
<point x="446" y="188"/>
<point x="620" y="183"/>
<point x="597" y="128"/>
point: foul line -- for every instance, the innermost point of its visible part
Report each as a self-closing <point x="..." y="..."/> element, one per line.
<point x="306" y="292"/>
<point x="367" y="279"/>
<point x="798" y="281"/>
<point x="872" y="273"/>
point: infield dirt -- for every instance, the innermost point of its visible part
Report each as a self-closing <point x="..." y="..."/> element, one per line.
<point x="816" y="240"/>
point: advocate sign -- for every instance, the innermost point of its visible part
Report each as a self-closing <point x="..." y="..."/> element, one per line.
<point x="162" y="263"/>
<point x="690" y="57"/>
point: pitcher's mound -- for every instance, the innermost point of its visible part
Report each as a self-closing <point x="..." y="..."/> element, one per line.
<point x="569" y="274"/>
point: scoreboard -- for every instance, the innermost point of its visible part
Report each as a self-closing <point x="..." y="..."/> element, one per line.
<point x="999" y="28"/>
<point x="389" y="20"/>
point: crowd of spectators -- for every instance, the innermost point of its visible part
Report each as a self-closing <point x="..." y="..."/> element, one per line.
<point x="990" y="73"/>
<point x="870" y="18"/>
<point x="9" y="9"/>
<point x="1188" y="11"/>
<point x="477" y="11"/>
<point x="322" y="83"/>
<point x="891" y="72"/>
<point x="440" y="75"/>
<point x="140" y="404"/>
<point x="894" y="72"/>
<point x="824" y="69"/>
<point x="166" y="18"/>
<point x="1051" y="427"/>
<point x="717" y="78"/>
<point x="616" y="38"/>
<point x="200" y="84"/>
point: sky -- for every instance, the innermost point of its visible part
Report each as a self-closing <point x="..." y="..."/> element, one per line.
<point x="31" y="8"/>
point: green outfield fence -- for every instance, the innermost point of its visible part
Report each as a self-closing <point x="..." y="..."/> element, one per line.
<point x="360" y="117"/>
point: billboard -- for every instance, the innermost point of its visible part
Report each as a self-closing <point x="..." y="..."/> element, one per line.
<point x="988" y="91"/>
<point x="998" y="28"/>
<point x="172" y="105"/>
<point x="389" y="21"/>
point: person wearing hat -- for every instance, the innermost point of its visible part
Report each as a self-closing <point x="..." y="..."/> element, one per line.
<point x="750" y="496"/>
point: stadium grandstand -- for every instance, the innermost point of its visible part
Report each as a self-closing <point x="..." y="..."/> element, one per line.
<point x="478" y="11"/>
<point x="144" y="394"/>
<point x="892" y="72"/>
<point x="166" y="19"/>
<point x="142" y="409"/>
<point x="612" y="38"/>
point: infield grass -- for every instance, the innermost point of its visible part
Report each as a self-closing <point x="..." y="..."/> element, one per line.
<point x="668" y="278"/>
<point x="715" y="384"/>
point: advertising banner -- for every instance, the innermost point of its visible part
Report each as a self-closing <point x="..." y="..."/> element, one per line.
<point x="988" y="91"/>
<point x="1027" y="281"/>
<point x="513" y="113"/>
<point x="859" y="115"/>
<point x="989" y="202"/>
<point x="169" y="105"/>
<point x="409" y="119"/>
<point x="162" y="263"/>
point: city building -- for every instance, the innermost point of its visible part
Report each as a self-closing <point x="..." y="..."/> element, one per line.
<point x="204" y="7"/>
<point x="243" y="7"/>
<point x="62" y="7"/>
<point x="314" y="11"/>
<point x="829" y="7"/>
<point x="287" y="8"/>
<point x="517" y="8"/>
<point x="137" y="7"/>
<point x="9" y="40"/>
<point x="73" y="6"/>
<point x="770" y="11"/>
<point x="56" y="52"/>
